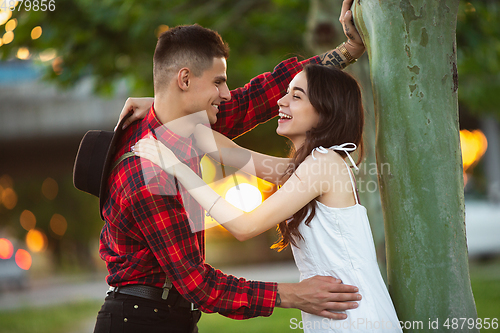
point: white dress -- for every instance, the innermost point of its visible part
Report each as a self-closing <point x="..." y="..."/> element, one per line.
<point x="338" y="242"/>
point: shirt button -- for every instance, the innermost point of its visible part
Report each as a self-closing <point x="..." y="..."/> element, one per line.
<point x="136" y="306"/>
<point x="125" y="319"/>
<point x="155" y="310"/>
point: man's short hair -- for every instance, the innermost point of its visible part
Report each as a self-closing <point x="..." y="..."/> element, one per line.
<point x="190" y="46"/>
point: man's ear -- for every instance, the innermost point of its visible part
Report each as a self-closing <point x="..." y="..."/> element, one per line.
<point x="184" y="78"/>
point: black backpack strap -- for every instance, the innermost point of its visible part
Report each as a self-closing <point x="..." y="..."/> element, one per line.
<point x="122" y="158"/>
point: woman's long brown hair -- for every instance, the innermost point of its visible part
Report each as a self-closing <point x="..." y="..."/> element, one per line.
<point x="336" y="97"/>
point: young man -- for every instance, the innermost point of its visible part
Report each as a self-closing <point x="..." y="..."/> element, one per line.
<point x="155" y="257"/>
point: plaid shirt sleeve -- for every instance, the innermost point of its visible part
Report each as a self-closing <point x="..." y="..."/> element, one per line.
<point x="257" y="101"/>
<point x="165" y="226"/>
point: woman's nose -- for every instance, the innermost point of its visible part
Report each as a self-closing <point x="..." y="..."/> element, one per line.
<point x="281" y="101"/>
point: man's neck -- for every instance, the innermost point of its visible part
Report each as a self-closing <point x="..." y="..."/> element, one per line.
<point x="171" y="116"/>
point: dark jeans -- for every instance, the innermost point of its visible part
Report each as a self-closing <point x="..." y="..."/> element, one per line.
<point x="129" y="314"/>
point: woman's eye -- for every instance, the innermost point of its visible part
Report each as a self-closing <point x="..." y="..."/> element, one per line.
<point x="295" y="96"/>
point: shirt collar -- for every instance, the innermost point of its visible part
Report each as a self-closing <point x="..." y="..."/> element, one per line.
<point x="181" y="146"/>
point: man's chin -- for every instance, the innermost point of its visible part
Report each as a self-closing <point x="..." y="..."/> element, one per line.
<point x="212" y="120"/>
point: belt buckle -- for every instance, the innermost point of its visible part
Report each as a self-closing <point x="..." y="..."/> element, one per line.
<point x="111" y="289"/>
<point x="166" y="289"/>
<point x="164" y="295"/>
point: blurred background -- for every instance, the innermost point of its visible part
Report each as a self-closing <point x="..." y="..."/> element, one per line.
<point x="69" y="69"/>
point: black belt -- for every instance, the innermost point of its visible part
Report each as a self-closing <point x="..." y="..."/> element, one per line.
<point x="174" y="299"/>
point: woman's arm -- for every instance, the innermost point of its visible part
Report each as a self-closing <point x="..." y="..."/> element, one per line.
<point x="139" y="106"/>
<point x="298" y="190"/>
<point x="225" y="151"/>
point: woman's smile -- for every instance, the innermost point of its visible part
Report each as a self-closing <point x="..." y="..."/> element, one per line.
<point x="284" y="117"/>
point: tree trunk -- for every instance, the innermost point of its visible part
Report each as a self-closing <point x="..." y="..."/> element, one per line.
<point x="412" y="51"/>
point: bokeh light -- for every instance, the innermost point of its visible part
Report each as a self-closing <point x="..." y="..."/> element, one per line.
<point x="5" y="16"/>
<point x="36" y="240"/>
<point x="36" y="32"/>
<point x="47" y="55"/>
<point x="58" y="224"/>
<point x="161" y="29"/>
<point x="208" y="169"/>
<point x="28" y="220"/>
<point x="23" y="53"/>
<point x="6" y="181"/>
<point x="11" y="25"/>
<point x="50" y="188"/>
<point x="23" y="259"/>
<point x="8" y="37"/>
<point x="474" y="145"/>
<point x="244" y="196"/>
<point x="6" y="248"/>
<point x="57" y="65"/>
<point x="9" y="198"/>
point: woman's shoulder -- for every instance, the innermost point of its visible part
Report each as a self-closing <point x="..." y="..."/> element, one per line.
<point x="325" y="156"/>
<point x="326" y="163"/>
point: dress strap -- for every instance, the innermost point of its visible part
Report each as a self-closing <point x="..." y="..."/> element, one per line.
<point x="345" y="147"/>
<point x="352" y="183"/>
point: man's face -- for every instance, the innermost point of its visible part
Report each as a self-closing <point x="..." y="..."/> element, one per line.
<point x="209" y="90"/>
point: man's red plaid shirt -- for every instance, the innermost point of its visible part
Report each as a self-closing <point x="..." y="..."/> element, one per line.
<point x="147" y="235"/>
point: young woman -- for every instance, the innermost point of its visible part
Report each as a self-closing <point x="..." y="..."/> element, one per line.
<point x="317" y="207"/>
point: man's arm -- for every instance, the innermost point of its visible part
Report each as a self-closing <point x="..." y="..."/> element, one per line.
<point x="346" y="53"/>
<point x="166" y="227"/>
<point x="256" y="102"/>
<point x="228" y="153"/>
<point x="318" y="295"/>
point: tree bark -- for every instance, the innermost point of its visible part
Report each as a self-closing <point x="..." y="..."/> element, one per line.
<point x="412" y="49"/>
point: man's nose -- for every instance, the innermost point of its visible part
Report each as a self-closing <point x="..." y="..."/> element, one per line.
<point x="224" y="93"/>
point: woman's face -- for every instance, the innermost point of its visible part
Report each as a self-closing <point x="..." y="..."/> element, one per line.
<point x="297" y="115"/>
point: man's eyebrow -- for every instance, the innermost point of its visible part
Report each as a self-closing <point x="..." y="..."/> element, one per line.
<point x="222" y="78"/>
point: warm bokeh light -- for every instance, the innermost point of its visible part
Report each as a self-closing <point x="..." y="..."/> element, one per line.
<point x="58" y="224"/>
<point x="23" y="53"/>
<point x="474" y="145"/>
<point x="36" y="32"/>
<point x="5" y="16"/>
<point x="23" y="259"/>
<point x="36" y="240"/>
<point x="11" y="25"/>
<point x="8" y="37"/>
<point x="48" y="54"/>
<point x="161" y="29"/>
<point x="9" y="198"/>
<point x="208" y="169"/>
<point x="6" y="181"/>
<point x="470" y="8"/>
<point x="244" y="196"/>
<point x="50" y="188"/>
<point x="57" y="65"/>
<point x="6" y="248"/>
<point x="28" y="220"/>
